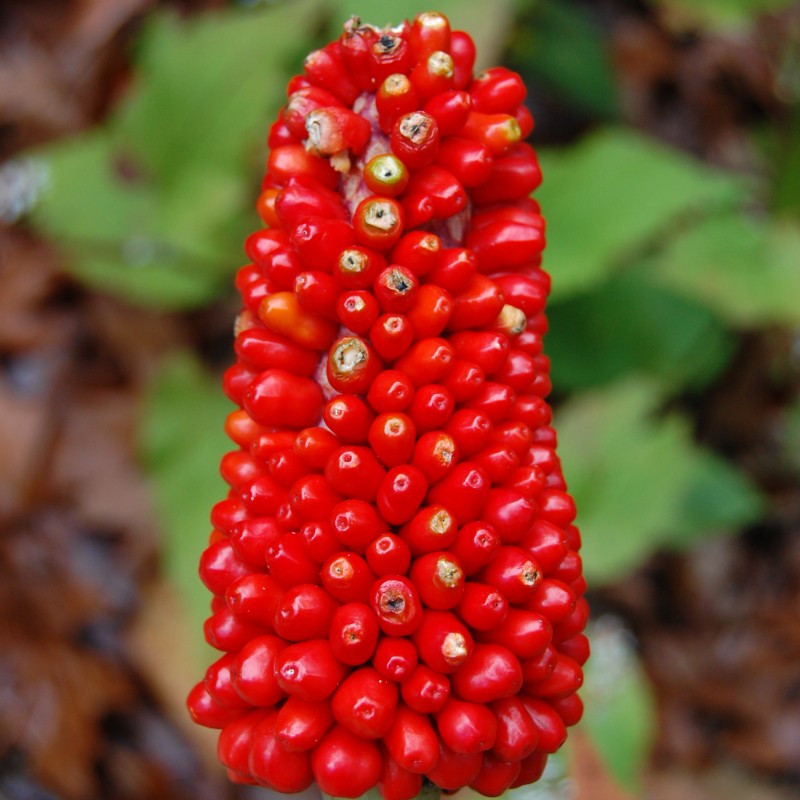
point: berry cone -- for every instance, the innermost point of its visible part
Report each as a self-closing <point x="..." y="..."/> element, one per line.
<point x="397" y="590"/>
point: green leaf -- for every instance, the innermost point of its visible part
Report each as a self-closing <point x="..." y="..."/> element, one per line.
<point x="88" y="197"/>
<point x="629" y="325"/>
<point x="639" y="481"/>
<point x="154" y="206"/>
<point x="746" y="269"/>
<point x="208" y="88"/>
<point x="561" y="47"/>
<point x="489" y="24"/>
<point x="112" y="233"/>
<point x="182" y="441"/>
<point x="619" y="707"/>
<point x="614" y="195"/>
<point x="790" y="448"/>
<point x="717" y="496"/>
<point x="721" y="13"/>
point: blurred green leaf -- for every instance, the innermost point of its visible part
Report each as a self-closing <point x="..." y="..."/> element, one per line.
<point x="154" y="206"/>
<point x="561" y="47"/>
<point x="717" y="495"/>
<point x="619" y="707"/>
<point x="629" y="325"/>
<point x="791" y="439"/>
<point x="89" y="198"/>
<point x="206" y="88"/>
<point x="722" y="13"/>
<point x="746" y="269"/>
<point x="487" y="23"/>
<point x="615" y="194"/>
<point x="128" y="238"/>
<point x="638" y="479"/>
<point x="182" y="441"/>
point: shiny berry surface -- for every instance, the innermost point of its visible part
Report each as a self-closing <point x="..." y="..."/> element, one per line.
<point x="398" y="596"/>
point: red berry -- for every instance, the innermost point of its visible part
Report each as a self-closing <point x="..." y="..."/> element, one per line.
<point x="482" y="607"/>
<point x="466" y="727"/>
<point x="454" y="770"/>
<point x="365" y="703"/>
<point x="386" y="175"/>
<point x="412" y="741"/>
<point x="206" y="711"/>
<point x="390" y="391"/>
<point x="495" y="776"/>
<point x="355" y="471"/>
<point x="354" y="633"/>
<point x="450" y="110"/>
<point x="352" y="365"/>
<point x="415" y="139"/>
<point x="425" y="690"/>
<point x="430" y="31"/>
<point x="309" y="670"/>
<point x="443" y="641"/>
<point x="549" y="725"/>
<point x="347" y="577"/>
<point x="278" y="397"/>
<point x="395" y="289"/>
<point x="349" y="418"/>
<point x="419" y="251"/>
<point x="388" y="555"/>
<point x="304" y="612"/>
<point x="396" y="603"/>
<point x="492" y="672"/>
<point x="319" y="241"/>
<point x="464" y="489"/>
<point x="219" y="683"/>
<point x="235" y="740"/>
<point x="282" y="313"/>
<point x="431" y="528"/>
<point x="462" y="48"/>
<point x="357" y="267"/>
<point x="439" y="580"/>
<point x="398" y="783"/>
<point x="327" y="68"/>
<point x="475" y="545"/>
<point x="378" y="222"/>
<point x="255" y="598"/>
<point x="392" y="436"/>
<point x="391" y="336"/>
<point x="431" y="407"/>
<point x="272" y="765"/>
<point x="314" y="445"/>
<point x="263" y="349"/>
<point x="497" y="90"/>
<point x="400" y="494"/>
<point x="513" y="572"/>
<point x="390" y="54"/>
<point x="355" y="524"/>
<point x="517" y="736"/>
<point x="253" y="676"/>
<point x="525" y="633"/>
<point x="301" y="724"/>
<point x="344" y="764"/>
<point x="357" y="311"/>
<point x="288" y="561"/>
<point x="395" y="96"/>
<point x="395" y="658"/>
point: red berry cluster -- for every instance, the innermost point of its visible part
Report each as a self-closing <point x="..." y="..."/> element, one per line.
<point x="397" y="587"/>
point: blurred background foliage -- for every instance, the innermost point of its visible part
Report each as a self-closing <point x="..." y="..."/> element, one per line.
<point x="669" y="136"/>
